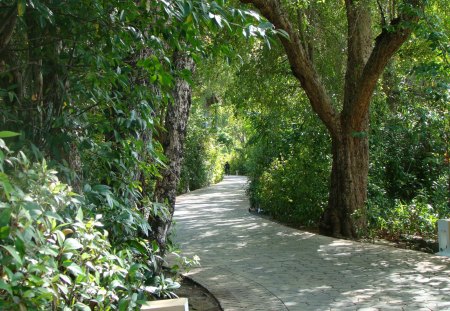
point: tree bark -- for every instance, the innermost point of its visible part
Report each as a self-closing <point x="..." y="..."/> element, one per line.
<point x="7" y="26"/>
<point x="346" y="214"/>
<point x="176" y="119"/>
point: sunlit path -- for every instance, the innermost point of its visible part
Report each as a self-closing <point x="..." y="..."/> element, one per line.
<point x="250" y="263"/>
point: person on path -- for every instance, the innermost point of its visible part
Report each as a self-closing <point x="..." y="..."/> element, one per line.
<point x="227" y="168"/>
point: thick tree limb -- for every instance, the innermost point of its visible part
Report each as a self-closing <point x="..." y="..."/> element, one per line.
<point x="359" y="47"/>
<point x="301" y="66"/>
<point x="386" y="44"/>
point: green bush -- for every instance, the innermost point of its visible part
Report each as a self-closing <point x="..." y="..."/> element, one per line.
<point x="394" y="220"/>
<point x="55" y="253"/>
<point x="293" y="190"/>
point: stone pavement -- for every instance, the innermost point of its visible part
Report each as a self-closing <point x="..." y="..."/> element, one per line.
<point x="251" y="263"/>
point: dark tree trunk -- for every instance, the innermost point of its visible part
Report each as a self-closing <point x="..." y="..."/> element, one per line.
<point x="176" y="119"/>
<point x="366" y="59"/>
<point x="344" y="216"/>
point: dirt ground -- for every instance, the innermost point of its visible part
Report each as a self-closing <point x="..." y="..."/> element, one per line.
<point x="200" y="299"/>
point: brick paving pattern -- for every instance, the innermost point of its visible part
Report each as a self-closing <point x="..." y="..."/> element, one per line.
<point x="251" y="263"/>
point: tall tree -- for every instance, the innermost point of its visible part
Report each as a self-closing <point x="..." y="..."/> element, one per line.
<point x="176" y="119"/>
<point x="366" y="59"/>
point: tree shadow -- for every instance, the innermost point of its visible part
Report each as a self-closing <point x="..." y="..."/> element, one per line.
<point x="304" y="270"/>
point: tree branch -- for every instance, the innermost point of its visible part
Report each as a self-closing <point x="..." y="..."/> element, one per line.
<point x="359" y="46"/>
<point x="386" y="44"/>
<point x="301" y="66"/>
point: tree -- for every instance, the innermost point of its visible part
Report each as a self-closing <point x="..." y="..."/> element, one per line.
<point x="176" y="119"/>
<point x="348" y="128"/>
<point x="200" y="20"/>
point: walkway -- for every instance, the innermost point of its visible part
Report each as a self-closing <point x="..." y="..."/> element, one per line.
<point x="250" y="263"/>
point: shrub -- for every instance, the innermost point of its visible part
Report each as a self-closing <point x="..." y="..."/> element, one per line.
<point x="56" y="256"/>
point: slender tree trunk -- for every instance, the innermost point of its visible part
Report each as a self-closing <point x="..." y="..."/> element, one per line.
<point x="177" y="115"/>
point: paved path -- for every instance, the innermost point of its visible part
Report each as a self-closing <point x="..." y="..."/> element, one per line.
<point x="250" y="263"/>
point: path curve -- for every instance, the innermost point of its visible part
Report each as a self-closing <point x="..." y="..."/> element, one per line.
<point x="251" y="263"/>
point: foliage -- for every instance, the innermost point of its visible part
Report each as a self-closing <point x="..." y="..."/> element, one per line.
<point x="205" y="150"/>
<point x="417" y="218"/>
<point x="86" y="84"/>
<point x="281" y="151"/>
<point x="213" y="133"/>
<point x="56" y="254"/>
<point x="285" y="149"/>
<point x="408" y="188"/>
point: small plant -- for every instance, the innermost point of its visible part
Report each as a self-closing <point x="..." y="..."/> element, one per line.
<point x="394" y="221"/>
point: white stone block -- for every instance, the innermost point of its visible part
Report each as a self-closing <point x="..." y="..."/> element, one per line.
<point x="178" y="304"/>
<point x="444" y="237"/>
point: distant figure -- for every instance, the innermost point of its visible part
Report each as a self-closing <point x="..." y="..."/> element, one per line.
<point x="227" y="168"/>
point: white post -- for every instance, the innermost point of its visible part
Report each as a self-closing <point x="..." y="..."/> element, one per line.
<point x="178" y="304"/>
<point x="444" y="237"/>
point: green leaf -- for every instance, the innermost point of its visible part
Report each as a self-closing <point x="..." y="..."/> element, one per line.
<point x="6" y="286"/>
<point x="265" y="25"/>
<point x="14" y="254"/>
<point x="63" y="288"/>
<point x="79" y="217"/>
<point x="60" y="237"/>
<point x="46" y="250"/>
<point x="5" y="216"/>
<point x="82" y="307"/>
<point x="4" y="182"/>
<point x="123" y="304"/>
<point x="65" y="278"/>
<point x="20" y="246"/>
<point x="139" y="247"/>
<point x="3" y="146"/>
<point x="133" y="269"/>
<point x="38" y="281"/>
<point x="21" y="6"/>
<point x="101" y="189"/>
<point x="6" y="134"/>
<point x="74" y="268"/>
<point x="71" y="244"/>
<point x="4" y="232"/>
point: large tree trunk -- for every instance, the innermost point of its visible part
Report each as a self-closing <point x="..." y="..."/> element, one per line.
<point x="177" y="115"/>
<point x="346" y="214"/>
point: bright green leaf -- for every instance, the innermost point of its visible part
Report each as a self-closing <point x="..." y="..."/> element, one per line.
<point x="71" y="244"/>
<point x="6" y="134"/>
<point x="13" y="253"/>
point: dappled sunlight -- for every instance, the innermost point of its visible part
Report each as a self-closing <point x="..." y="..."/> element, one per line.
<point x="305" y="271"/>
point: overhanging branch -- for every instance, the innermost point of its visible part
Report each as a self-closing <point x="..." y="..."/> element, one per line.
<point x="387" y="43"/>
<point x="301" y="66"/>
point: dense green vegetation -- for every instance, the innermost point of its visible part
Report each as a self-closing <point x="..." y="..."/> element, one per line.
<point x="89" y="92"/>
<point x="286" y="150"/>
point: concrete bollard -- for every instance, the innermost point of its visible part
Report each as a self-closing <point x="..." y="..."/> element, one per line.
<point x="444" y="237"/>
<point x="178" y="304"/>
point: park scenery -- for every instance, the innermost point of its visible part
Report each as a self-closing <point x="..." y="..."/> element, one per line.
<point x="248" y="155"/>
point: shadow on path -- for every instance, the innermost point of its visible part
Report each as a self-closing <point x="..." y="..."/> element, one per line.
<point x="251" y="263"/>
